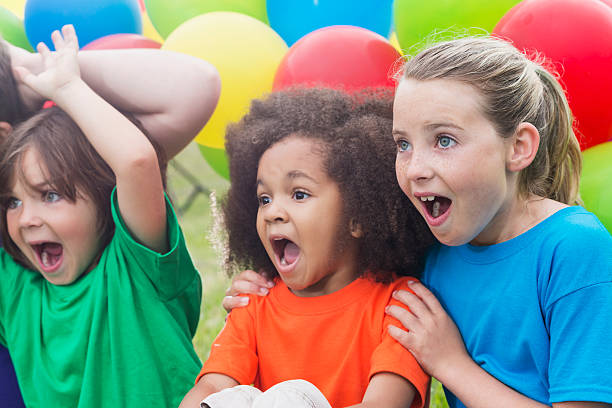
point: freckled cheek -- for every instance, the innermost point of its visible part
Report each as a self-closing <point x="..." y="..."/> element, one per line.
<point x="400" y="174"/>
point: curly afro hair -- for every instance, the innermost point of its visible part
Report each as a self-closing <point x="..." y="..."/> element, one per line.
<point x="360" y="156"/>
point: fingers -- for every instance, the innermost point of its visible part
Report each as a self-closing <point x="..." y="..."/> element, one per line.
<point x="426" y="296"/>
<point x="401" y="336"/>
<point x="249" y="282"/>
<point x="413" y="302"/>
<point x="67" y="39"/>
<point x="405" y="317"/>
<point x="70" y="37"/>
<point x="232" y="302"/>
<point x="43" y="50"/>
<point x="23" y="75"/>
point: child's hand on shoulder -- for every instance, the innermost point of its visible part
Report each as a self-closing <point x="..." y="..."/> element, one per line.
<point x="248" y="282"/>
<point x="60" y="68"/>
<point x="428" y="333"/>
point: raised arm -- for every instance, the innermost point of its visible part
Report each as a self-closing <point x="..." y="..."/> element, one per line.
<point x="172" y="94"/>
<point x="118" y="141"/>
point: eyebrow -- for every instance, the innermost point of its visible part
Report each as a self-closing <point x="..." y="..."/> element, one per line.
<point x="433" y="126"/>
<point x="292" y="175"/>
<point x="429" y="127"/>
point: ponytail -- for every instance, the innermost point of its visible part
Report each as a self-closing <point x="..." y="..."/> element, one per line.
<point x="555" y="170"/>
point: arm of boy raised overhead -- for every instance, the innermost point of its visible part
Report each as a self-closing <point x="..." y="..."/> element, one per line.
<point x="172" y="94"/>
<point x="119" y="142"/>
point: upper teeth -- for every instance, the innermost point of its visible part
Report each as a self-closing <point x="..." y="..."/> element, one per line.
<point x="428" y="198"/>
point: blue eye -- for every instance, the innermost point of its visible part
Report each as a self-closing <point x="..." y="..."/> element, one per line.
<point x="263" y="200"/>
<point x="51" y="196"/>
<point x="300" y="195"/>
<point x="13" y="203"/>
<point x="446" y="142"/>
<point x="402" y="146"/>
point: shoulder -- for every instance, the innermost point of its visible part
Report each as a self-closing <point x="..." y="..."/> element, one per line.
<point x="576" y="250"/>
<point x="576" y="231"/>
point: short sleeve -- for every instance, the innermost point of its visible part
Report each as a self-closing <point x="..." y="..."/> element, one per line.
<point x="234" y="351"/>
<point x="578" y="315"/>
<point x="171" y="272"/>
<point x="11" y="289"/>
<point x="390" y="356"/>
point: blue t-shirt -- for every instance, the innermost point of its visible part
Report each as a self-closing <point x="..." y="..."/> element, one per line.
<point x="535" y="311"/>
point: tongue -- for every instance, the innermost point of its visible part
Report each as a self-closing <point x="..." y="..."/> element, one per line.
<point x="291" y="252"/>
<point x="52" y="249"/>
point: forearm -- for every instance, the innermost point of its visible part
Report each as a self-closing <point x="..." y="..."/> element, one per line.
<point x="209" y="384"/>
<point x="388" y="390"/>
<point x="478" y="389"/>
<point x="172" y="94"/>
<point x="118" y="141"/>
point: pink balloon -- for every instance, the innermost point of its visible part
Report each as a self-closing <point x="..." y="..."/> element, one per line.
<point x="121" y="41"/>
<point x="576" y="35"/>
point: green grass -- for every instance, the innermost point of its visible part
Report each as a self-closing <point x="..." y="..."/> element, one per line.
<point x="197" y="224"/>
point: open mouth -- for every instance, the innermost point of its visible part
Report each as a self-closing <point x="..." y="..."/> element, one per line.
<point x="436" y="206"/>
<point x="286" y="251"/>
<point x="49" y="255"/>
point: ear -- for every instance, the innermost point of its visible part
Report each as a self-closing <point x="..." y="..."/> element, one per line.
<point x="355" y="227"/>
<point x="5" y="130"/>
<point x="523" y="147"/>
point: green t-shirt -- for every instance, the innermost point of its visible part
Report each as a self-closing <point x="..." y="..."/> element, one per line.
<point x="120" y="336"/>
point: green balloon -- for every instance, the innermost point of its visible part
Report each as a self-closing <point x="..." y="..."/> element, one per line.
<point x="167" y="15"/>
<point x="11" y="29"/>
<point x="595" y="187"/>
<point x="416" y="20"/>
<point x="216" y="159"/>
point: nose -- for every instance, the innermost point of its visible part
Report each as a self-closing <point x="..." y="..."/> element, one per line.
<point x="29" y="217"/>
<point x="416" y="167"/>
<point x="275" y="212"/>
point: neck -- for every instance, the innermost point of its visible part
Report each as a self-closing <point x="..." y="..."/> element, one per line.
<point x="517" y="217"/>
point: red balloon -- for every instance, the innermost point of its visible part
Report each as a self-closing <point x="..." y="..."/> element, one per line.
<point x="576" y="35"/>
<point x="341" y="57"/>
<point x="121" y="41"/>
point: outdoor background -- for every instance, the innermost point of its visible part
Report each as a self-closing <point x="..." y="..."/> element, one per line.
<point x="263" y="45"/>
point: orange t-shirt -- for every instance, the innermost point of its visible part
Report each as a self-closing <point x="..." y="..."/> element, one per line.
<point x="337" y="342"/>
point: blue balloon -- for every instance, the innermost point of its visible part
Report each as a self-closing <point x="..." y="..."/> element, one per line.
<point x="92" y="19"/>
<point x="296" y="18"/>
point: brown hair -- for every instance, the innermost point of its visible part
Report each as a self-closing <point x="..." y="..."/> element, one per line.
<point x="75" y="168"/>
<point x="516" y="89"/>
<point x="355" y="132"/>
<point x="12" y="108"/>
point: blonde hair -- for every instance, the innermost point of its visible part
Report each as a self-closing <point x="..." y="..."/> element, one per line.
<point x="516" y="89"/>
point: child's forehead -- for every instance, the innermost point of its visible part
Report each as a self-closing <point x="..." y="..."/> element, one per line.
<point x="30" y="170"/>
<point x="294" y="158"/>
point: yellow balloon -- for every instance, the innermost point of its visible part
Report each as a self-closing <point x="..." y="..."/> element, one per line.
<point x="245" y="51"/>
<point x="148" y="30"/>
<point x="395" y="43"/>
<point x="16" y="6"/>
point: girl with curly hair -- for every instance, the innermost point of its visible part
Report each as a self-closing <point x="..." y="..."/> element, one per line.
<point x="314" y="204"/>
